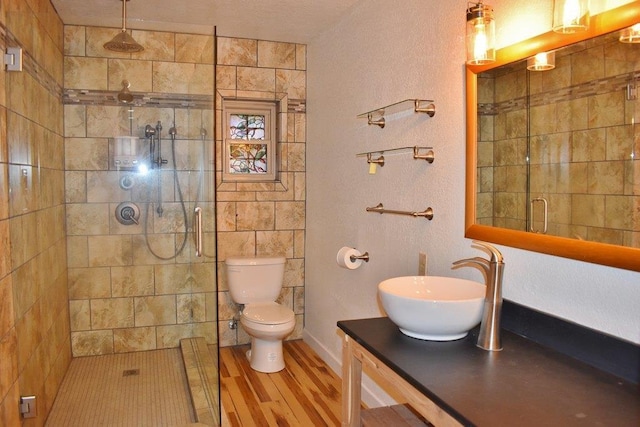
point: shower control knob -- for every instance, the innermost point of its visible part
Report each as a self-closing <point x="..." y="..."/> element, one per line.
<point x="127" y="213"/>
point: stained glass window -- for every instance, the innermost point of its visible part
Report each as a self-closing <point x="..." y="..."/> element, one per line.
<point x="248" y="158"/>
<point x="245" y="126"/>
<point x="249" y="145"/>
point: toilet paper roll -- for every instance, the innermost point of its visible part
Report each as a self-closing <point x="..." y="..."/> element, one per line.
<point x="344" y="258"/>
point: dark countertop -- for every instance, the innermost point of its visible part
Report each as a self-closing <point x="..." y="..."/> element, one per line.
<point x="524" y="384"/>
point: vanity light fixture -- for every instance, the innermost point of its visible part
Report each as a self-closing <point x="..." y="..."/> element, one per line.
<point x="570" y="16"/>
<point x="630" y="34"/>
<point x="481" y="34"/>
<point x="542" y="61"/>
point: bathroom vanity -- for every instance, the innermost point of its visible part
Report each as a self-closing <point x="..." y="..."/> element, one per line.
<point x="456" y="383"/>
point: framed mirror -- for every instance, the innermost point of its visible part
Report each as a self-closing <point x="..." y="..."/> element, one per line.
<point x="553" y="160"/>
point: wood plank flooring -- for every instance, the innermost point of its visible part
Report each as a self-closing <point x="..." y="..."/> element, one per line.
<point x="306" y="393"/>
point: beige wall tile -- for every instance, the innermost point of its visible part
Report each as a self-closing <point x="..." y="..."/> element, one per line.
<point x="232" y="51"/>
<point x="112" y="313"/>
<point x="158" y="46"/>
<point x="9" y="355"/>
<point x="132" y="281"/>
<point x="294" y="273"/>
<point x="292" y="82"/>
<point x="195" y="78"/>
<point x="77" y="251"/>
<point x="588" y="210"/>
<point x="137" y="73"/>
<point x="74" y="40"/>
<point x="588" y="66"/>
<point x="290" y="215"/>
<point x="278" y="243"/>
<point x="276" y="54"/>
<point x="91" y="343"/>
<point x="241" y="243"/>
<point x="75" y="187"/>
<point x="256" y="79"/>
<point x="87" y="219"/>
<point x="75" y="122"/>
<point x="194" y="48"/>
<point x="255" y="216"/>
<point x="85" y="73"/>
<point x="190" y="308"/>
<point x="156" y="310"/>
<point x="225" y="77"/>
<point x="86" y="283"/>
<point x="110" y="251"/>
<point x="301" y="57"/>
<point x="86" y="154"/>
<point x="606" y="109"/>
<point x="7" y="313"/>
<point x="134" y="339"/>
<point x="170" y="335"/>
<point x="80" y="315"/>
<point x="172" y="279"/>
<point x="606" y="177"/>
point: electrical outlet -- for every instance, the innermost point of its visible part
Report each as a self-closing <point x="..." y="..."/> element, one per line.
<point x="422" y="264"/>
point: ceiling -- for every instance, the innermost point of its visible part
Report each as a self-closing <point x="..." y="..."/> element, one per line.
<point x="296" y="21"/>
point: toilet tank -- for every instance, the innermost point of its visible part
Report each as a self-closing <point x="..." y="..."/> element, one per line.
<point x="257" y="279"/>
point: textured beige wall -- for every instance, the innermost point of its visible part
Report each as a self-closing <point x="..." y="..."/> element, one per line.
<point x="121" y="297"/>
<point x="34" y="318"/>
<point x="264" y="219"/>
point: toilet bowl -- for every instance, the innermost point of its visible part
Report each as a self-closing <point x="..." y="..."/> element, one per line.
<point x="267" y="324"/>
<point x="255" y="283"/>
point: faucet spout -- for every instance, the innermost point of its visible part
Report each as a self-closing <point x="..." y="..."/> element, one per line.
<point x="489" y="336"/>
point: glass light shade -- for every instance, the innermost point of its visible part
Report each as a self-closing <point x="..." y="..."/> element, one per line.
<point x="481" y="34"/>
<point x="542" y="61"/>
<point x="630" y="34"/>
<point x="570" y="16"/>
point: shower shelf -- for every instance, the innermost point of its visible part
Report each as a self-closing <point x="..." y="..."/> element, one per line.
<point x="376" y="117"/>
<point x="418" y="153"/>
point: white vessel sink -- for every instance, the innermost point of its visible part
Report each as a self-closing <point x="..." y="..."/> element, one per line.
<point x="431" y="307"/>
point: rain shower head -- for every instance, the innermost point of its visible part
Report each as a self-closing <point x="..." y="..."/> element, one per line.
<point x="123" y="42"/>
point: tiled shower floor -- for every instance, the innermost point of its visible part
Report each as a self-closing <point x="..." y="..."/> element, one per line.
<point x="131" y="389"/>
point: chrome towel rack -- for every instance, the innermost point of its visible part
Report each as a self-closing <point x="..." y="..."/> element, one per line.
<point x="379" y="208"/>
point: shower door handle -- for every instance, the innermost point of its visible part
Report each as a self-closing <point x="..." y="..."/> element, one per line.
<point x="545" y="206"/>
<point x="198" y="230"/>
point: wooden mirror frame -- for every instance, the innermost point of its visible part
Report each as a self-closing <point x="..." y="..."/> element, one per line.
<point x="599" y="253"/>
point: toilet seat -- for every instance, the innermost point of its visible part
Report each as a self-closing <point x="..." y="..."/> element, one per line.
<point x="270" y="313"/>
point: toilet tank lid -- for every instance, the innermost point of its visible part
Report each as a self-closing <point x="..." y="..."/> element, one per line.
<point x="254" y="260"/>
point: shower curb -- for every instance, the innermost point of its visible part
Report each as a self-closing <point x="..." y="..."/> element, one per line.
<point x="202" y="376"/>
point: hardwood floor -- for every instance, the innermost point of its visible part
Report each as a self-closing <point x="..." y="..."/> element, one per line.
<point x="306" y="393"/>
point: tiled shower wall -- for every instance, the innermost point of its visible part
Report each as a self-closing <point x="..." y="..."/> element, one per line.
<point x="264" y="218"/>
<point x="121" y="297"/>
<point x="34" y="315"/>
<point x="582" y="137"/>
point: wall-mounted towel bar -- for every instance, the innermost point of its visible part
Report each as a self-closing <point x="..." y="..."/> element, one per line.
<point x="379" y="208"/>
<point x="419" y="153"/>
<point x="376" y="117"/>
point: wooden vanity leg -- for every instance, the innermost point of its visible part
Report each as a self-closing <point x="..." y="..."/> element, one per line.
<point x="351" y="385"/>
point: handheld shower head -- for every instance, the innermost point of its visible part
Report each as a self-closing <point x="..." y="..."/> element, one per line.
<point x="149" y="131"/>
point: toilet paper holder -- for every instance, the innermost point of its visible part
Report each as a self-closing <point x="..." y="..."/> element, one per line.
<point x="364" y="257"/>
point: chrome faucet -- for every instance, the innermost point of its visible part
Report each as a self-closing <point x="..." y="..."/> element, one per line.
<point x="492" y="269"/>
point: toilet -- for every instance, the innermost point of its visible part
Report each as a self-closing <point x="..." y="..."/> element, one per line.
<point x="256" y="283"/>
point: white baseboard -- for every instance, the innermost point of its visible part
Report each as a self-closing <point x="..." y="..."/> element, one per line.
<point x="372" y="395"/>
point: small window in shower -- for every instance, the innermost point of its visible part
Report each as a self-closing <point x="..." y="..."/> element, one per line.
<point x="249" y="141"/>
